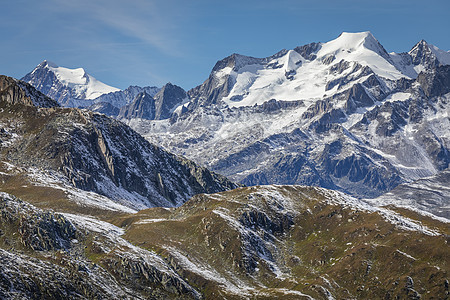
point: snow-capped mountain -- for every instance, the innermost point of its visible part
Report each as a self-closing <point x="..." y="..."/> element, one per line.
<point x="76" y="88"/>
<point x="70" y="87"/>
<point x="345" y="115"/>
<point x="313" y="71"/>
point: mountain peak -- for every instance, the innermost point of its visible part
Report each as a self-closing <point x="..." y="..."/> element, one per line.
<point x="357" y="40"/>
<point x="428" y="54"/>
<point x="361" y="34"/>
<point x="67" y="86"/>
<point x="422" y="44"/>
<point x="46" y="63"/>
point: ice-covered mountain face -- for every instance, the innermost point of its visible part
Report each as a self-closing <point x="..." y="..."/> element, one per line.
<point x="344" y="115"/>
<point x="313" y="71"/>
<point x="92" y="152"/>
<point x="70" y="87"/>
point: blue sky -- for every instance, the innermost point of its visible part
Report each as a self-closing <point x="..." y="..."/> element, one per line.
<point x="147" y="42"/>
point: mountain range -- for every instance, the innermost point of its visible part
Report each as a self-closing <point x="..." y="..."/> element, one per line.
<point x="342" y="146"/>
<point x="344" y="115"/>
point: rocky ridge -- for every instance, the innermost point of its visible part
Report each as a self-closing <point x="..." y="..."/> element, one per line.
<point x="159" y="107"/>
<point x="96" y="153"/>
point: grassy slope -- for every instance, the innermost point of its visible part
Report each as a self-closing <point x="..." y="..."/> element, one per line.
<point x="349" y="252"/>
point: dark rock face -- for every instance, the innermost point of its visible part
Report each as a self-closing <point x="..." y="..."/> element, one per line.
<point x="105" y="108"/>
<point x="259" y="220"/>
<point x="357" y="97"/>
<point x="436" y="83"/>
<point x="122" y="98"/>
<point x="167" y="99"/>
<point x="308" y="51"/>
<point x="141" y="276"/>
<point x="159" y="107"/>
<point x="45" y="231"/>
<point x="356" y="73"/>
<point x="13" y="91"/>
<point x="143" y="106"/>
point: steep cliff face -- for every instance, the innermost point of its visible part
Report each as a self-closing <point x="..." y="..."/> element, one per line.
<point x="96" y="153"/>
<point x="159" y="107"/>
<point x="167" y="99"/>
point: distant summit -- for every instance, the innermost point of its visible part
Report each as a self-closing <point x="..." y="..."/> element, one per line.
<point x="70" y="87"/>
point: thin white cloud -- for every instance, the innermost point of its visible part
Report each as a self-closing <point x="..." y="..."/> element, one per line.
<point x="146" y="21"/>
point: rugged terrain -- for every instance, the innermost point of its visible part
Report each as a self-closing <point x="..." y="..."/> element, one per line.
<point x="92" y="152"/>
<point x="92" y="210"/>
<point x="76" y="88"/>
<point x="288" y="242"/>
<point x="344" y="115"/>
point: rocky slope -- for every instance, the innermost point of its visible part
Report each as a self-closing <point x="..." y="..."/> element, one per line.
<point x="13" y="91"/>
<point x="268" y="242"/>
<point x="344" y="115"/>
<point x="294" y="242"/>
<point x="429" y="194"/>
<point x="94" y="153"/>
<point x="46" y="255"/>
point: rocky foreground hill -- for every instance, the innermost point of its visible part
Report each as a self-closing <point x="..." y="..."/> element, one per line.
<point x="287" y="242"/>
